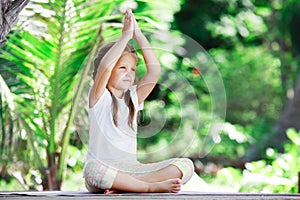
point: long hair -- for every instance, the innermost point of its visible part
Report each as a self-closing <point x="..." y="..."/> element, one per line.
<point x="101" y="52"/>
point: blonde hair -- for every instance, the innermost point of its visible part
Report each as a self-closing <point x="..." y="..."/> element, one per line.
<point x="101" y="52"/>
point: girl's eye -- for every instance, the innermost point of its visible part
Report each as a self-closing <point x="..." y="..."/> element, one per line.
<point x="133" y="69"/>
<point x="123" y="67"/>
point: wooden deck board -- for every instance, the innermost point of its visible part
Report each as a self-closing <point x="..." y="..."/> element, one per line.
<point x="58" y="195"/>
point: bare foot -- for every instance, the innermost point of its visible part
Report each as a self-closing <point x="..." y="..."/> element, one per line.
<point x="171" y="185"/>
<point x="111" y="191"/>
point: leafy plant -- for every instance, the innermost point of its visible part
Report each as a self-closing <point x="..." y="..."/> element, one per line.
<point x="45" y="65"/>
<point x="278" y="173"/>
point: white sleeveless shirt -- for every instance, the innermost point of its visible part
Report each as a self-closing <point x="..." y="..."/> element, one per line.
<point x="107" y="142"/>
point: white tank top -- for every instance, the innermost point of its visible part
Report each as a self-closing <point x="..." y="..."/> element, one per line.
<point x="107" y="142"/>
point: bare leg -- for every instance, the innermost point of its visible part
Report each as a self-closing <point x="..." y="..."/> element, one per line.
<point x="125" y="182"/>
<point x="169" y="172"/>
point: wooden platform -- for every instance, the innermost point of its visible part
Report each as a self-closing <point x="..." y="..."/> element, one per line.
<point x="79" y="195"/>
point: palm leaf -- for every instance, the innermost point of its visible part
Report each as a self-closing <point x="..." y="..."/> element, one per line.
<point x="51" y="54"/>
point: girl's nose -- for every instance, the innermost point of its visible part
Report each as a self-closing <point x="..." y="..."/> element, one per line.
<point x="129" y="74"/>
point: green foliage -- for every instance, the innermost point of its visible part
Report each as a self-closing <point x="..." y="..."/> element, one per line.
<point x="232" y="143"/>
<point x="251" y="43"/>
<point x="223" y="23"/>
<point x="45" y="65"/>
<point x="11" y="185"/>
<point x="277" y="174"/>
<point x="76" y="158"/>
<point x="251" y="77"/>
<point x="44" y="76"/>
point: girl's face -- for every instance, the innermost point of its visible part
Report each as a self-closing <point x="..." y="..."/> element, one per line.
<point x="123" y="74"/>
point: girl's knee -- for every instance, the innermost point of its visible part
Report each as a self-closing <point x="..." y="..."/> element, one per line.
<point x="189" y="163"/>
<point x="98" y="176"/>
<point x="187" y="168"/>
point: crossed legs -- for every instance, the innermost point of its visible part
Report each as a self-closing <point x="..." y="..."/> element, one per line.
<point x="152" y="182"/>
<point x="168" y="179"/>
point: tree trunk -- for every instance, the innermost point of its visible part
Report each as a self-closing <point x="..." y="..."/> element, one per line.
<point x="290" y="117"/>
<point x="50" y="180"/>
<point x="9" y="11"/>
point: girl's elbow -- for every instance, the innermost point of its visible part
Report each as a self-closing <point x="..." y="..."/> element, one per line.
<point x="158" y="70"/>
<point x="154" y="70"/>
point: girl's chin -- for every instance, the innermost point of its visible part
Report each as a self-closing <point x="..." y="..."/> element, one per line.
<point x="125" y="88"/>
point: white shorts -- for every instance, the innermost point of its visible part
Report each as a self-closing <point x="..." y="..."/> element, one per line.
<point x="100" y="175"/>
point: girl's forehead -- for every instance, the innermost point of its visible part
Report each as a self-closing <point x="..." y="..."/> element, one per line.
<point x="129" y="56"/>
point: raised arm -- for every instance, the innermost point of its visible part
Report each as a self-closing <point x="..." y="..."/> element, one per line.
<point x="147" y="83"/>
<point x="110" y="59"/>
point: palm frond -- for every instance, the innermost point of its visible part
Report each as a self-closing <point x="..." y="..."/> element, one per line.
<point x="48" y="59"/>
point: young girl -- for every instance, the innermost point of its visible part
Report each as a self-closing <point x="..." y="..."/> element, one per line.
<point x="111" y="163"/>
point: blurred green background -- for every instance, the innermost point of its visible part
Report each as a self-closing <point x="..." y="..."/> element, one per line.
<point x="45" y="70"/>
